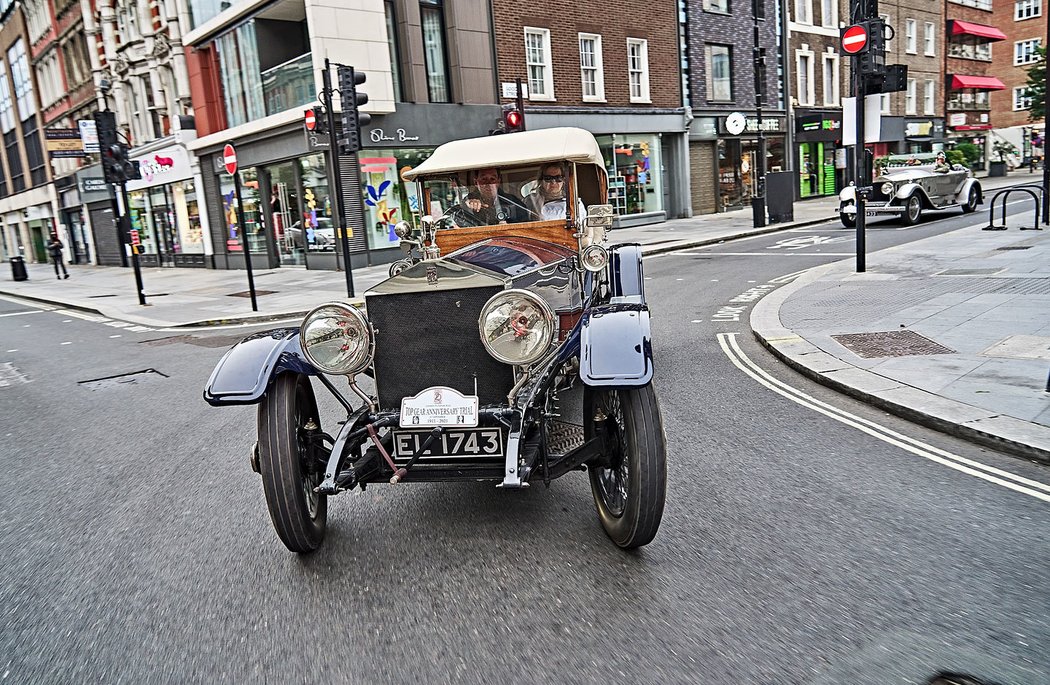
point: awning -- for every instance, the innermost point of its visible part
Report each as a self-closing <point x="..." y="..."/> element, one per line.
<point x="961" y="81"/>
<point x="966" y="28"/>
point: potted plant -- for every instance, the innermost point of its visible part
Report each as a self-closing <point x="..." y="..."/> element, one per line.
<point x="1001" y="148"/>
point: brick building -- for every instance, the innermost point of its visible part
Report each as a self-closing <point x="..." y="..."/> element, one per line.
<point x="723" y="135"/>
<point x="611" y="67"/>
<point x="1025" y="25"/>
<point x="970" y="75"/>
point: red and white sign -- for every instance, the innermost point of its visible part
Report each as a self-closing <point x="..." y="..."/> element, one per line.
<point x="135" y="237"/>
<point x="310" y="120"/>
<point x="229" y="159"/>
<point x="854" y="39"/>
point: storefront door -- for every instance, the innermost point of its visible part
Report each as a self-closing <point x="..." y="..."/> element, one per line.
<point x="164" y="225"/>
<point x="285" y="217"/>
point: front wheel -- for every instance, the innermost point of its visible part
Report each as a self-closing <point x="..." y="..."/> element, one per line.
<point x="912" y="210"/>
<point x="849" y="219"/>
<point x="289" y="472"/>
<point x="971" y="201"/>
<point x="630" y="485"/>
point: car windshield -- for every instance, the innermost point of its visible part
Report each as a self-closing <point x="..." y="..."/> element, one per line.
<point x="490" y="197"/>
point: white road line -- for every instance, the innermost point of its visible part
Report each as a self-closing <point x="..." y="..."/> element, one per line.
<point x="970" y="467"/>
<point x="28" y="303"/>
<point x="783" y="254"/>
<point x="35" y="311"/>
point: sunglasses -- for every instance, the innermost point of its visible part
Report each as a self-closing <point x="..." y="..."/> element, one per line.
<point x="553" y="179"/>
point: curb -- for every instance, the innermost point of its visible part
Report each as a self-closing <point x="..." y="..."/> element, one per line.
<point x="981" y="426"/>
<point x="744" y="233"/>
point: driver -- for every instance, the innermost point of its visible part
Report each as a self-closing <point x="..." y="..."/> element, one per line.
<point x="941" y="166"/>
<point x="497" y="207"/>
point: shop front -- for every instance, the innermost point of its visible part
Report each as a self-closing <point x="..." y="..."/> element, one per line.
<point x="100" y="228"/>
<point x="164" y="207"/>
<point x="923" y="135"/>
<point x="819" y="136"/>
<point x="72" y="226"/>
<point x="737" y="157"/>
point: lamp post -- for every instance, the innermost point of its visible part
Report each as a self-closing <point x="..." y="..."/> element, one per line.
<point x="758" y="201"/>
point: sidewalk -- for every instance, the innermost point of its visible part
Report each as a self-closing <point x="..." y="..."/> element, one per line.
<point x="980" y="302"/>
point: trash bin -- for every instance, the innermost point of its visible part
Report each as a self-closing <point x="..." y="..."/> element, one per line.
<point x="18" y="269"/>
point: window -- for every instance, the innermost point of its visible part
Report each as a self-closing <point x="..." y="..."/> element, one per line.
<point x="7" y="105"/>
<point x="592" y="80"/>
<point x="968" y="99"/>
<point x="1026" y="9"/>
<point x="929" y="97"/>
<point x="909" y="98"/>
<point x="829" y="13"/>
<point x="432" y="16"/>
<point x="885" y="104"/>
<point x="970" y="47"/>
<point x="911" y="36"/>
<point x="538" y="63"/>
<point x="719" y="73"/>
<point x="638" y="69"/>
<point x="721" y="6"/>
<point x="38" y="18"/>
<point x="395" y="53"/>
<point x="1025" y="51"/>
<point x="928" y="39"/>
<point x="48" y="79"/>
<point x="979" y="4"/>
<point x="34" y="152"/>
<point x="1022" y="100"/>
<point x="831" y="80"/>
<point x="804" y="11"/>
<point x="804" y="67"/>
<point x="16" y="57"/>
<point x="239" y="69"/>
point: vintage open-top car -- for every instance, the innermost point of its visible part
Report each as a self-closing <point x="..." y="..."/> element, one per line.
<point x="907" y="185"/>
<point x="510" y="346"/>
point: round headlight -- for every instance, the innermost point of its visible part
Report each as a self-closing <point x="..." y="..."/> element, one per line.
<point x="402" y="229"/>
<point x="886" y="188"/>
<point x="337" y="339"/>
<point x="594" y="258"/>
<point x="517" y="327"/>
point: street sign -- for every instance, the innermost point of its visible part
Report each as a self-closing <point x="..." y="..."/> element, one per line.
<point x="854" y="39"/>
<point x="310" y="119"/>
<point x="135" y="237"/>
<point x="88" y="135"/>
<point x="63" y="143"/>
<point x="229" y="159"/>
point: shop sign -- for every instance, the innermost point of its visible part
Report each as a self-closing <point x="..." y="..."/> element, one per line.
<point x="163" y="166"/>
<point x="400" y="135"/>
<point x="317" y="142"/>
<point x="956" y="119"/>
<point x="819" y="123"/>
<point x="768" y="125"/>
<point x="63" y="143"/>
<point x="93" y="185"/>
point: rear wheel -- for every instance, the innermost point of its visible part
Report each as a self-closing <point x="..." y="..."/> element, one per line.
<point x="629" y="488"/>
<point x="289" y="475"/>
<point x="912" y="210"/>
<point x="971" y="201"/>
<point x="849" y="219"/>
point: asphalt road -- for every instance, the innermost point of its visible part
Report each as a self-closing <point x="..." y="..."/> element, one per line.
<point x="794" y="548"/>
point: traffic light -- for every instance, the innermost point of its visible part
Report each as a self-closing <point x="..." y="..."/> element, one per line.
<point x="895" y="79"/>
<point x="872" y="61"/>
<point x="320" y="120"/>
<point x="116" y="167"/>
<point x="513" y="119"/>
<point x="353" y="119"/>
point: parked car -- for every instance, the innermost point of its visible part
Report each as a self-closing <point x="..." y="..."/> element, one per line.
<point x="907" y="185"/>
<point x="320" y="237"/>
<point x="511" y="353"/>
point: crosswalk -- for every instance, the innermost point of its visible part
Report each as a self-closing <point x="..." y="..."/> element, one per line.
<point x="113" y="323"/>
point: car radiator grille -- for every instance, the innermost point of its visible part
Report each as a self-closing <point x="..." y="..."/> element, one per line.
<point x="431" y="338"/>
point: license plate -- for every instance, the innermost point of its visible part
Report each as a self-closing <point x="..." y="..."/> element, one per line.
<point x="458" y="443"/>
<point x="871" y="213"/>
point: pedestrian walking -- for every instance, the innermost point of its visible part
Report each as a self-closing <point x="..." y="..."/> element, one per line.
<point x="54" y="248"/>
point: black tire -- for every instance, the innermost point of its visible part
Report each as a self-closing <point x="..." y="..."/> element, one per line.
<point x="848" y="220"/>
<point x="398" y="266"/>
<point x="298" y="513"/>
<point x="630" y="493"/>
<point x="912" y="210"/>
<point x="971" y="201"/>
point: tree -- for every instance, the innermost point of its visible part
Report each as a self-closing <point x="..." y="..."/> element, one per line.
<point x="1037" y="86"/>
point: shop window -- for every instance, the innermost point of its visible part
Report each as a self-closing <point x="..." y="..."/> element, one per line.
<point x="141" y="221"/>
<point x="719" y="73"/>
<point x="255" y="230"/>
<point x="633" y="164"/>
<point x="388" y="198"/>
<point x="188" y="218"/>
<point x="316" y="206"/>
<point x="435" y="53"/>
<point x="538" y="63"/>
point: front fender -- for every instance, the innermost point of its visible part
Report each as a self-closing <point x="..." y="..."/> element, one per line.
<point x="626" y="280"/>
<point x="964" y="193"/>
<point x="848" y="194"/>
<point x="906" y="191"/>
<point x="245" y="372"/>
<point x="616" y="346"/>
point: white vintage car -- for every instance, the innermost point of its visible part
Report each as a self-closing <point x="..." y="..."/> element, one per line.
<point x="907" y="185"/>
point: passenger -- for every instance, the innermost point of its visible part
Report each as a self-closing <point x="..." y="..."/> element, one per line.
<point x="547" y="200"/>
<point x="941" y="166"/>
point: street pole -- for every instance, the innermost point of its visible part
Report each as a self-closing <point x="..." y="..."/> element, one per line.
<point x="333" y="157"/>
<point x="758" y="202"/>
<point x="1046" y="126"/>
<point x="519" y="102"/>
<point x="244" y="238"/>
<point x="125" y="231"/>
<point x="860" y="166"/>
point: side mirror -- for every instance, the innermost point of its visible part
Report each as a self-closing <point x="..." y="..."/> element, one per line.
<point x="600" y="216"/>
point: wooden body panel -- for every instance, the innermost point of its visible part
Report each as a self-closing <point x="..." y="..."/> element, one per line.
<point x="452" y="239"/>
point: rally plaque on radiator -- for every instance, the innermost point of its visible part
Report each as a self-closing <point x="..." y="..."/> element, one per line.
<point x="439" y="406"/>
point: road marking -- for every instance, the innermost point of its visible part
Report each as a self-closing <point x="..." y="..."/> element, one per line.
<point x="67" y="343"/>
<point x="35" y="311"/>
<point x="115" y="336"/>
<point x="1012" y="481"/>
<point x="782" y="254"/>
<point x="807" y="241"/>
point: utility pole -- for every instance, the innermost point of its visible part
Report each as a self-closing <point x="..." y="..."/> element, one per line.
<point x="758" y="202"/>
<point x="117" y="170"/>
<point x="1046" y="130"/>
<point x="333" y="160"/>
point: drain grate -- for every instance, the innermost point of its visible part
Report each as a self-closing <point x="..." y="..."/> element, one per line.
<point x="248" y="293"/>
<point x="1014" y="247"/>
<point x="214" y="341"/>
<point x="133" y="378"/>
<point x="890" y="344"/>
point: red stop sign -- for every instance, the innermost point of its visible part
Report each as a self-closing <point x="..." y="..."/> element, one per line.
<point x="229" y="159"/>
<point x="854" y="39"/>
<point x="310" y="120"/>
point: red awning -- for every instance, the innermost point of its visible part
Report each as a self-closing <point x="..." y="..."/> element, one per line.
<point x="961" y="81"/>
<point x="966" y="28"/>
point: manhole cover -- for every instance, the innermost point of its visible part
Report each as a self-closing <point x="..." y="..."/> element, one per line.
<point x="248" y="293"/>
<point x="215" y="341"/>
<point x="890" y="344"/>
<point x="968" y="272"/>
<point x="133" y="378"/>
<point x="1014" y="247"/>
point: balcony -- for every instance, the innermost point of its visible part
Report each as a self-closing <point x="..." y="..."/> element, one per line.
<point x="979" y="4"/>
<point x="288" y="85"/>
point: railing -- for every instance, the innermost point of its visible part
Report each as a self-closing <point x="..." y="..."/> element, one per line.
<point x="289" y="85"/>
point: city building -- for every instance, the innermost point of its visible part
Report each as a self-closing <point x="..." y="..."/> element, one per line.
<point x="970" y="77"/>
<point x="614" y="69"/>
<point x="255" y="67"/>
<point x="1025" y="26"/>
<point x="723" y="134"/>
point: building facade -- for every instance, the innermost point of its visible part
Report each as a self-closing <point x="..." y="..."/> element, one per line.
<point x="617" y="78"/>
<point x="1025" y="24"/>
<point x="723" y="134"/>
